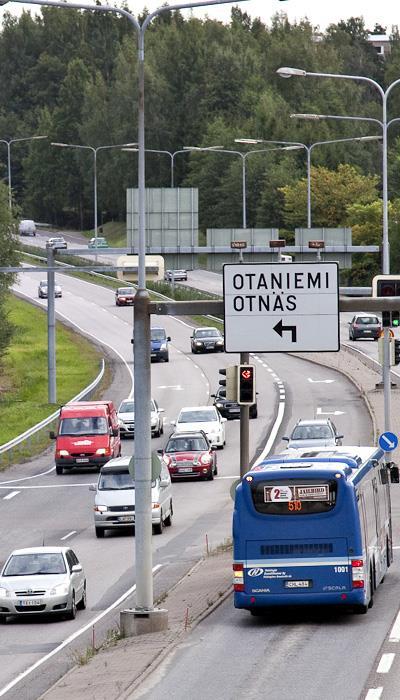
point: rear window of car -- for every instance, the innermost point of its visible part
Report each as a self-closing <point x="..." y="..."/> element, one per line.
<point x="312" y="432"/>
<point x="198" y="416"/>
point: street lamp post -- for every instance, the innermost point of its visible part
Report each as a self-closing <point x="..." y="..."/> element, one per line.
<point x="8" y="143"/>
<point x="308" y="149"/>
<point x="141" y="354"/>
<point x="155" y="150"/>
<point x="95" y="152"/>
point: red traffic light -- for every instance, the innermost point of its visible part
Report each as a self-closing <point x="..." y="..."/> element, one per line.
<point x="247" y="373"/>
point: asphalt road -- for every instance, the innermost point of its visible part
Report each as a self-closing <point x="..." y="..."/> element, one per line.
<point x="58" y="509"/>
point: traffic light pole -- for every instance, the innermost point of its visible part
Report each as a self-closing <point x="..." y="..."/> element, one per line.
<point x="244" y="427"/>
<point x="386" y="381"/>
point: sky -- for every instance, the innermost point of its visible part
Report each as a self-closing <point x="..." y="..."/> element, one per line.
<point x="319" y="12"/>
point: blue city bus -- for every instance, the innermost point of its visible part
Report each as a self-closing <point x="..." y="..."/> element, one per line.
<point x="313" y="527"/>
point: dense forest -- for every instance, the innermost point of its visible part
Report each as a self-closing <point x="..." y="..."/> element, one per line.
<point x="72" y="76"/>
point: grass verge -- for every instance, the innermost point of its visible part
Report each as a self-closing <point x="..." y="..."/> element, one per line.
<point x="23" y="372"/>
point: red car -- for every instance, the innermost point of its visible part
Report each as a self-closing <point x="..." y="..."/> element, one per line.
<point x="124" y="296"/>
<point x="190" y="455"/>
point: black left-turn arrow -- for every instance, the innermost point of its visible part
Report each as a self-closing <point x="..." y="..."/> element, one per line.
<point x="280" y="329"/>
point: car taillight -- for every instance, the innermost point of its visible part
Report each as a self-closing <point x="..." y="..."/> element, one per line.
<point x="205" y="458"/>
<point x="357" y="573"/>
<point x="238" y="577"/>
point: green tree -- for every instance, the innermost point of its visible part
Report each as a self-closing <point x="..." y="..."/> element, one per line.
<point x="8" y="257"/>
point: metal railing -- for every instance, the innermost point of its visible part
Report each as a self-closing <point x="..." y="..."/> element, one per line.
<point x="27" y="436"/>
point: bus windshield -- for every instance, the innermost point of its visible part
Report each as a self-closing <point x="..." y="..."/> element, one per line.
<point x="294" y="496"/>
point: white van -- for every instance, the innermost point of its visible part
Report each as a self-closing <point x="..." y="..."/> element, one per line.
<point x="27" y="227"/>
<point x="114" y="503"/>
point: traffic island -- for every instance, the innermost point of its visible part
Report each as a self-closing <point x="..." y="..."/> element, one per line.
<point x="134" y="622"/>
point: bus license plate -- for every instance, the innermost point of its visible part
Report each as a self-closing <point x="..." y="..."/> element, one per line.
<point x="298" y="584"/>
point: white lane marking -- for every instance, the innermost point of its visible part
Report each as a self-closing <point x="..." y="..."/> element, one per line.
<point x="273" y="433"/>
<point x="25" y="478"/>
<point x="320" y="412"/>
<point x="71" y="638"/>
<point x="320" y="381"/>
<point x="177" y="387"/>
<point x="374" y="694"/>
<point x="395" y="631"/>
<point x="385" y="663"/>
<point x="396" y="547"/>
<point x="47" y="486"/>
<point x="227" y="477"/>
<point x="73" y="532"/>
<point x="11" y="495"/>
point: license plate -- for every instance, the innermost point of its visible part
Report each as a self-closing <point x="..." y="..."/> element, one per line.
<point x="153" y="354"/>
<point x="82" y="460"/>
<point x="367" y="331"/>
<point x="29" y="603"/>
<point x="298" y="584"/>
<point x="184" y="470"/>
<point x="126" y="519"/>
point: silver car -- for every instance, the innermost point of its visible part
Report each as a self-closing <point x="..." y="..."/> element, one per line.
<point x="126" y="418"/>
<point x="41" y="580"/>
<point x="43" y="291"/>
<point x="114" y="504"/>
<point x="57" y="242"/>
<point x="313" y="433"/>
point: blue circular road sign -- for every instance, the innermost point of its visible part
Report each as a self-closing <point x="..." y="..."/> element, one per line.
<point x="388" y="441"/>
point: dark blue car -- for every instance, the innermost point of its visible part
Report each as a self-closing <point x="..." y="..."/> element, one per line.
<point x="159" y="344"/>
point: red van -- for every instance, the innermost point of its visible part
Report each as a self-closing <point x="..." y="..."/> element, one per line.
<point x="87" y="435"/>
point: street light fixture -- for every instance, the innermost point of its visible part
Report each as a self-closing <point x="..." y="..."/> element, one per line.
<point x="94" y="151"/>
<point x="155" y="150"/>
<point x="8" y="142"/>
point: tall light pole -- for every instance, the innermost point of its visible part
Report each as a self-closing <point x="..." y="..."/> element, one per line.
<point x="309" y="148"/>
<point x="141" y="354"/>
<point x="8" y="142"/>
<point x="171" y="154"/>
<point x="287" y="72"/>
<point x="95" y="152"/>
<point x="243" y="156"/>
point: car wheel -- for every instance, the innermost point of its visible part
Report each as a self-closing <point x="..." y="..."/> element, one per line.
<point x="210" y="476"/>
<point x="82" y="603"/>
<point x="3" y="619"/>
<point x="100" y="531"/>
<point x="162" y="428"/>
<point x="59" y="469"/>
<point x="159" y="527"/>
<point x="215" y="469"/>
<point x="166" y="358"/>
<point x="71" y="614"/>
<point x="168" y="520"/>
<point x="254" y="413"/>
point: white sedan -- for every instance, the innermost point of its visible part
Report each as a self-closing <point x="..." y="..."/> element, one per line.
<point x="205" y="418"/>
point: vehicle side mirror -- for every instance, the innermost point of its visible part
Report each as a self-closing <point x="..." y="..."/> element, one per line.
<point x="169" y="338"/>
<point x="173" y="422"/>
<point x="52" y="435"/>
<point x="339" y="437"/>
<point x="349" y="323"/>
<point x="160" y="451"/>
<point x="212" y="396"/>
<point x="214" y="447"/>
<point x="115" y="432"/>
<point x="394" y="473"/>
<point x="191" y="337"/>
<point x="223" y="420"/>
<point x="161" y="410"/>
<point x="164" y="483"/>
<point x="76" y="569"/>
<point x="285" y="438"/>
<point x="92" y="487"/>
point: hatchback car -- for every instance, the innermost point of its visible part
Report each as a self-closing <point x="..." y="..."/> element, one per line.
<point x="190" y="455"/>
<point x="364" y="326"/>
<point x="57" y="243"/>
<point x="204" y="418"/>
<point x="98" y="242"/>
<point x="114" y="504"/>
<point x="207" y="340"/>
<point x="43" y="293"/>
<point x="126" y="418"/>
<point x="42" y="580"/>
<point x="124" y="296"/>
<point x="314" y="433"/>
<point x="231" y="409"/>
<point x="175" y="275"/>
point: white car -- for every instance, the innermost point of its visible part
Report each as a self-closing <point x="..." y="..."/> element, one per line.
<point x="43" y="291"/>
<point x="126" y="418"/>
<point x="114" y="503"/>
<point x="57" y="242"/>
<point x="42" y="580"/>
<point x="175" y="275"/>
<point x="205" y="418"/>
<point x="27" y="227"/>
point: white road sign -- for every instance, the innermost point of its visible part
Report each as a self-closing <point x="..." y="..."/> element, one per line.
<point x="271" y="307"/>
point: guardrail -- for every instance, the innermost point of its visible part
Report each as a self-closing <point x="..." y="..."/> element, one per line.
<point x="8" y="447"/>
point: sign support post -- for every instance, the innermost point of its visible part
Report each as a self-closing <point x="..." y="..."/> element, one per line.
<point x="244" y="427"/>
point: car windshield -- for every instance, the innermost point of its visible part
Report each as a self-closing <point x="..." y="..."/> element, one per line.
<point x="198" y="416"/>
<point x="116" y="481"/>
<point x="311" y="432"/>
<point x="157" y="334"/>
<point x="368" y="320"/>
<point x="35" y="563"/>
<point x="127" y="407"/>
<point x="91" y="425"/>
<point x="187" y="444"/>
<point x="125" y="292"/>
<point x="42" y="284"/>
<point x="211" y="333"/>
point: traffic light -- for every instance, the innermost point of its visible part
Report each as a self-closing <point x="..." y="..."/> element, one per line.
<point x="230" y="383"/>
<point x="395" y="319"/>
<point x="246" y="385"/>
<point x="397" y="352"/>
<point x="387" y="286"/>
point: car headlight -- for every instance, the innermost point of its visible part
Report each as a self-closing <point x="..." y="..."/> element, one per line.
<point x="61" y="589"/>
<point x="120" y="422"/>
<point x="219" y="405"/>
<point x="198" y="342"/>
<point x="4" y="592"/>
<point x="153" y="421"/>
<point x="101" y="509"/>
<point x="64" y="453"/>
<point x="219" y="342"/>
<point x="101" y="451"/>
